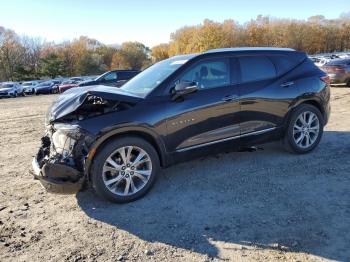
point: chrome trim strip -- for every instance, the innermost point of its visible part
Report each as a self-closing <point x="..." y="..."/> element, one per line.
<point x="226" y="139"/>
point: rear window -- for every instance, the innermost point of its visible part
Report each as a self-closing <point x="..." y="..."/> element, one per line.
<point x="255" y="68"/>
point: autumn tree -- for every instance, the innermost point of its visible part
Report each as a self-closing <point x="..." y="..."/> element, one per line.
<point x="120" y="61"/>
<point x="160" y="52"/>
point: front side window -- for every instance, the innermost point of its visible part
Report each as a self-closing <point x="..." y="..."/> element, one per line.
<point x="208" y="74"/>
<point x="111" y="76"/>
<point x="255" y="68"/>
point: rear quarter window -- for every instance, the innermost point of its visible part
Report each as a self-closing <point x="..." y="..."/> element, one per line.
<point x="255" y="68"/>
<point x="283" y="63"/>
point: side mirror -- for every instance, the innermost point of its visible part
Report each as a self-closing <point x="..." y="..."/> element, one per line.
<point x="184" y="88"/>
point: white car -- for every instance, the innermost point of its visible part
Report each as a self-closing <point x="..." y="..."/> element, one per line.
<point x="322" y="61"/>
<point x="11" y="89"/>
<point x="29" y="87"/>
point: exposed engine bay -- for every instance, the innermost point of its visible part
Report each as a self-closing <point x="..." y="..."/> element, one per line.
<point x="65" y="147"/>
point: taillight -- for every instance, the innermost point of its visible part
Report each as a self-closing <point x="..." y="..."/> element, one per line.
<point x="326" y="79"/>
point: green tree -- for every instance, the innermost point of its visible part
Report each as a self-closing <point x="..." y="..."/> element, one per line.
<point x="89" y="64"/>
<point x="52" y="65"/>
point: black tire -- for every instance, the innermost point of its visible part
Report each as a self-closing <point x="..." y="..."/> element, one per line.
<point x="14" y="94"/>
<point x="348" y="83"/>
<point x="289" y="140"/>
<point x="99" y="160"/>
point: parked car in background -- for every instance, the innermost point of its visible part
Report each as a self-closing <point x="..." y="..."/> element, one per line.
<point x="29" y="86"/>
<point x="47" y="87"/>
<point x="117" y="139"/>
<point x="11" y="89"/>
<point x="338" y="71"/>
<point x="321" y="61"/>
<point x="115" y="78"/>
<point x="65" y="85"/>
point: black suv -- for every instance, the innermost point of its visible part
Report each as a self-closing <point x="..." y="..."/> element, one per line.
<point x="115" y="78"/>
<point x="183" y="107"/>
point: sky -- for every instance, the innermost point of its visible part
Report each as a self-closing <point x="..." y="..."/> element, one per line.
<point x="149" y="22"/>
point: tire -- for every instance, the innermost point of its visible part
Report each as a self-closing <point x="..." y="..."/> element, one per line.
<point x="14" y="95"/>
<point x="102" y="178"/>
<point x="348" y="83"/>
<point x="295" y="132"/>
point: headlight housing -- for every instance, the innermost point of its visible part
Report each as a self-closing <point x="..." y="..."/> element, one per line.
<point x="64" y="138"/>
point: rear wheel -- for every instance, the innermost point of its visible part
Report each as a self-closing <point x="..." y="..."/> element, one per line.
<point x="125" y="169"/>
<point x="305" y="129"/>
<point x="348" y="83"/>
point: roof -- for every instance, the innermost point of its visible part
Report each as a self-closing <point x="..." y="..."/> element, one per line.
<point x="243" y="49"/>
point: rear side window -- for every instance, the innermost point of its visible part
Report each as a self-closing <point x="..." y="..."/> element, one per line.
<point x="255" y="68"/>
<point x="126" y="75"/>
<point x="283" y="63"/>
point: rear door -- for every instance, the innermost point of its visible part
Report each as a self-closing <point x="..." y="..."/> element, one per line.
<point x="265" y="94"/>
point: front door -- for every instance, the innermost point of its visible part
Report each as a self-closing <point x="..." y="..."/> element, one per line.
<point x="208" y="116"/>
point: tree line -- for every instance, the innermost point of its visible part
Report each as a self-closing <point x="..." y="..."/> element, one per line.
<point x="24" y="58"/>
<point x="314" y="35"/>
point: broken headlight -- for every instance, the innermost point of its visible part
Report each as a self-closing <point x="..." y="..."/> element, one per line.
<point x="64" y="138"/>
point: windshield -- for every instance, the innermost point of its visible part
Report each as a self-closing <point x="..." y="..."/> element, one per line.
<point x="27" y="84"/>
<point x="146" y="81"/>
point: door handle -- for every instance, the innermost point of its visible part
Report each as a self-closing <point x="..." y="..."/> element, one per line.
<point x="230" y="98"/>
<point x="286" y="84"/>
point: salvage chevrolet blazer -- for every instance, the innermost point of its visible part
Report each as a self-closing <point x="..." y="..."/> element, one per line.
<point x="116" y="140"/>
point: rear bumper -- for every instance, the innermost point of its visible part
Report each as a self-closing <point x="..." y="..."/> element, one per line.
<point x="54" y="176"/>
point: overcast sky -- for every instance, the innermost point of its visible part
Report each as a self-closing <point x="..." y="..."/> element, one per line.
<point x="149" y="22"/>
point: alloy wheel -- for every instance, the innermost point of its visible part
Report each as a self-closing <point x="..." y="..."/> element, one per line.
<point x="306" y="129"/>
<point x="127" y="170"/>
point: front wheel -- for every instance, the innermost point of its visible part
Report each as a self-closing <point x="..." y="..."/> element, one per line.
<point x="305" y="129"/>
<point x="125" y="169"/>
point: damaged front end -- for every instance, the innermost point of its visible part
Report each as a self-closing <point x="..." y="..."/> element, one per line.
<point x="60" y="162"/>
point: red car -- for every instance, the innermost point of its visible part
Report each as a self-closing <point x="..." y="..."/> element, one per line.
<point x="69" y="84"/>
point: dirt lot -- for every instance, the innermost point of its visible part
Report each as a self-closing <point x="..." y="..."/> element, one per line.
<point x="267" y="205"/>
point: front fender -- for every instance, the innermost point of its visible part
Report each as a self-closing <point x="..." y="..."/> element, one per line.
<point x="127" y="129"/>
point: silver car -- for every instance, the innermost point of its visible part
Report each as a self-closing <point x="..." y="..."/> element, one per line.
<point x="338" y="71"/>
<point x="11" y="89"/>
<point x="29" y="87"/>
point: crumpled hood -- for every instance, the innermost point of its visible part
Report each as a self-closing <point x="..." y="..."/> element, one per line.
<point x="72" y="99"/>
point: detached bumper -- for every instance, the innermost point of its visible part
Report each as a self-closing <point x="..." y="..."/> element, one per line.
<point x="58" y="178"/>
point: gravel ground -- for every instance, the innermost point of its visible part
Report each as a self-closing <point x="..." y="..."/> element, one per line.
<point x="265" y="205"/>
